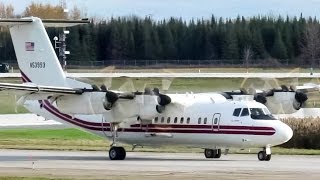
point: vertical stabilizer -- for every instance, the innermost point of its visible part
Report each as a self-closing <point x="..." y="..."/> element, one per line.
<point x="36" y="57"/>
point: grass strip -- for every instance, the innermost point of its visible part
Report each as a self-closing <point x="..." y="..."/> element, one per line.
<point x="74" y="139"/>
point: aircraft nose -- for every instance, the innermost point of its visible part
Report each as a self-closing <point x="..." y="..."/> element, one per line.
<point x="286" y="133"/>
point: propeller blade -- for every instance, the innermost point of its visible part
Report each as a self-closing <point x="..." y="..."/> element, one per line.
<point x="104" y="87"/>
<point x="19" y="102"/>
<point x="128" y="86"/>
<point x="166" y="83"/>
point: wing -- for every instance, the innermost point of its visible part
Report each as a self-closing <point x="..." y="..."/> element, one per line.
<point x="29" y="88"/>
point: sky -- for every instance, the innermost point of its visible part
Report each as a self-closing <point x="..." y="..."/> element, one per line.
<point x="187" y="9"/>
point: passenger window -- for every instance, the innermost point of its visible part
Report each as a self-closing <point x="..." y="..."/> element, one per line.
<point x="199" y="120"/>
<point x="205" y="121"/>
<point x="181" y="120"/>
<point x="175" y="120"/>
<point x="156" y="120"/>
<point x="188" y="120"/>
<point x="215" y="120"/>
<point x="162" y="120"/>
<point x="168" y="120"/>
<point x="245" y="112"/>
<point x="236" y="112"/>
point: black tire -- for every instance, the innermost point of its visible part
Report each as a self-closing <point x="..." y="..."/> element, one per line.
<point x="262" y="156"/>
<point x="122" y="153"/>
<point x="209" y="153"/>
<point x="268" y="157"/>
<point x="114" y="153"/>
<point x="117" y="153"/>
<point x="217" y="154"/>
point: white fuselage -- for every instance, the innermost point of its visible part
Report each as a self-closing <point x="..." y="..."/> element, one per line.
<point x="197" y="122"/>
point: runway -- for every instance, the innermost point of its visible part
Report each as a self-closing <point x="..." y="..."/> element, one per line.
<point x="142" y="165"/>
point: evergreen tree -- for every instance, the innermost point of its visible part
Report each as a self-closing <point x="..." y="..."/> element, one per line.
<point x="199" y="39"/>
<point x="168" y="47"/>
<point x="279" y="50"/>
<point x="257" y="45"/>
<point x="230" y="48"/>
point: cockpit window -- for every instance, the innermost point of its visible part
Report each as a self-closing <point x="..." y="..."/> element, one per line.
<point x="236" y="112"/>
<point x="245" y="112"/>
<point x="263" y="114"/>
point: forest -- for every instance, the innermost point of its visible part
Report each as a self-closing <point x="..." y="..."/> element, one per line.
<point x="259" y="39"/>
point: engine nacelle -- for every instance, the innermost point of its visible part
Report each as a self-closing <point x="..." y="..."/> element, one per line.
<point x="286" y="102"/>
<point x="87" y="103"/>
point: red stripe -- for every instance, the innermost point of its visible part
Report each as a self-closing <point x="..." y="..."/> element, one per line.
<point x="176" y="129"/>
<point x="66" y="116"/>
<point x="24" y="77"/>
<point x="200" y="131"/>
<point x="75" y="121"/>
<point x="202" y="126"/>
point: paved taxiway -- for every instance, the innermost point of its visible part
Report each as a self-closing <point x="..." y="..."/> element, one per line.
<point x="155" y="165"/>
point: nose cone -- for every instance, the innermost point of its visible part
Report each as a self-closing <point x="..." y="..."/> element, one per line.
<point x="286" y="133"/>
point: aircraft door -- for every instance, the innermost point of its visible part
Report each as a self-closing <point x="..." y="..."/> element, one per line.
<point x="216" y="122"/>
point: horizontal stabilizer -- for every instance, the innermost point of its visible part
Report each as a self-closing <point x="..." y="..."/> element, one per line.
<point x="32" y="88"/>
<point x="12" y="22"/>
<point x="46" y="22"/>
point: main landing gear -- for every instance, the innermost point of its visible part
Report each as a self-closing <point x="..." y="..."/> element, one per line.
<point x="265" y="154"/>
<point x="212" y="153"/>
<point x="116" y="152"/>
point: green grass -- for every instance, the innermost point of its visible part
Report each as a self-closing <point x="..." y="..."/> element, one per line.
<point x="74" y="139"/>
<point x="47" y="134"/>
<point x="54" y="139"/>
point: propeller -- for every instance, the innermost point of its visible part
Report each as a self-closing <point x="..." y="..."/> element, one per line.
<point x="128" y="91"/>
<point x="282" y="99"/>
<point x="163" y="100"/>
<point x="110" y="99"/>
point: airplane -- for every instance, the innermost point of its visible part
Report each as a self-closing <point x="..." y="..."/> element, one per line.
<point x="208" y="121"/>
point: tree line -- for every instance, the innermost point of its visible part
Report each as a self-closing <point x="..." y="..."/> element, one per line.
<point x="259" y="39"/>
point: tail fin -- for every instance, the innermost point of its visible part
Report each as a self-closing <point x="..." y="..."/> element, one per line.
<point x="36" y="57"/>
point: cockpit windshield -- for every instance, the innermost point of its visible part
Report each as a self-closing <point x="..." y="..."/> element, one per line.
<point x="261" y="114"/>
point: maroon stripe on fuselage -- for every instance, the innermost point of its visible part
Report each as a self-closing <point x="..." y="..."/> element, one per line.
<point x="155" y="128"/>
<point x="48" y="104"/>
<point x="199" y="131"/>
<point x="179" y="126"/>
<point x="75" y="122"/>
<point x="24" y="77"/>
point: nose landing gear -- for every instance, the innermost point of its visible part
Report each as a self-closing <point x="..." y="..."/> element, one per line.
<point x="265" y="154"/>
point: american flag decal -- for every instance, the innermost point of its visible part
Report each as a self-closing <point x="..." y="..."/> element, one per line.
<point x="29" y="46"/>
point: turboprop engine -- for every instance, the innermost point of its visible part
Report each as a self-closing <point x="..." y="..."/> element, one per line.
<point x="282" y="101"/>
<point x="86" y="103"/>
<point x="279" y="101"/>
<point x="143" y="105"/>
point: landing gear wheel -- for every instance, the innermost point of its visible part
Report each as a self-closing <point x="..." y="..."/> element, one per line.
<point x="262" y="156"/>
<point x="217" y="153"/>
<point x="117" y="153"/>
<point x="268" y="157"/>
<point x="209" y="153"/>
